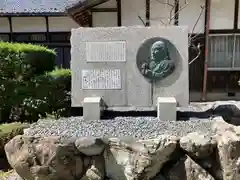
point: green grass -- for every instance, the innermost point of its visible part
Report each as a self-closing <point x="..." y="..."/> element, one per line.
<point x="8" y="128"/>
<point x="8" y="131"/>
<point x="4" y="175"/>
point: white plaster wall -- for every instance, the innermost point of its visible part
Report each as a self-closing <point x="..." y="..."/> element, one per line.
<point x="222" y="14"/>
<point x="160" y="12"/>
<point x="239" y="17"/>
<point x="189" y="15"/>
<point x="108" y="4"/>
<point x="131" y="9"/>
<point x="104" y="19"/>
<point x="29" y="24"/>
<point x="4" y="25"/>
<point x="58" y="24"/>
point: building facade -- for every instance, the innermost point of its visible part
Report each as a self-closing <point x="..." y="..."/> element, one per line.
<point x="214" y="24"/>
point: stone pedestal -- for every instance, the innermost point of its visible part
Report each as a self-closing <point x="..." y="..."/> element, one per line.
<point x="92" y="108"/>
<point x="166" y="108"/>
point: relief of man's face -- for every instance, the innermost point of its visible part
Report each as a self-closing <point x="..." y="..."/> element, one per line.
<point x="158" y="51"/>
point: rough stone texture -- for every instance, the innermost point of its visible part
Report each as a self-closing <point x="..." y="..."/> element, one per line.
<point x="196" y="156"/>
<point x="134" y="85"/>
<point x="229" y="110"/>
<point x="228" y="143"/>
<point x="90" y="146"/>
<point x="44" y="158"/>
<point x="198" y="145"/>
<point x="187" y="169"/>
<point x="139" y="160"/>
<point x="96" y="171"/>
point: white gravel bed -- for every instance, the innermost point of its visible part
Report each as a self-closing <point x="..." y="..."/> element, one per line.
<point x="138" y="127"/>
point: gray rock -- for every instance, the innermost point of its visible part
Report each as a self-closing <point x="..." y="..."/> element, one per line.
<point x="228" y="144"/>
<point x="229" y="110"/>
<point x="86" y="162"/>
<point x="44" y="158"/>
<point x="159" y="177"/>
<point x="90" y="146"/>
<point x="96" y="171"/>
<point x="123" y="162"/>
<point x="187" y="169"/>
<point x="198" y="145"/>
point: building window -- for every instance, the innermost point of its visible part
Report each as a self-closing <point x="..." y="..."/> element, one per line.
<point x="60" y="37"/>
<point x="4" y="37"/>
<point x="224" y="52"/>
<point x="38" y="37"/>
<point x="30" y="37"/>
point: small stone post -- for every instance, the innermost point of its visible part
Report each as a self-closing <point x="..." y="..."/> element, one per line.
<point x="92" y="108"/>
<point x="167" y="108"/>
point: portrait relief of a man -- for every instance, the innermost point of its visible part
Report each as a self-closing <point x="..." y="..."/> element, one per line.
<point x="160" y="64"/>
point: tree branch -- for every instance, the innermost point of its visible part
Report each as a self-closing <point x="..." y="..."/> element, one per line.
<point x="191" y="45"/>
<point x="141" y="19"/>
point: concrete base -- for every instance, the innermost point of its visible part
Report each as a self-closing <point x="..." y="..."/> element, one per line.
<point x="167" y="108"/>
<point x="92" y="108"/>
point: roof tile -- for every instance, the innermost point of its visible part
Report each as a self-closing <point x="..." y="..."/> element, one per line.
<point x="36" y="6"/>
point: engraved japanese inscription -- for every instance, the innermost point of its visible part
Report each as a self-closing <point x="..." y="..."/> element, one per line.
<point x="106" y="51"/>
<point x="101" y="79"/>
<point x="153" y="59"/>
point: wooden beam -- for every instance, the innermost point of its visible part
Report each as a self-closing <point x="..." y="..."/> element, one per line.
<point x="104" y="10"/>
<point x="119" y="12"/>
<point x="147" y="13"/>
<point x="11" y="29"/>
<point x="176" y="17"/>
<point x="236" y="14"/>
<point x="206" y="32"/>
<point x="84" y="5"/>
<point x="47" y="28"/>
<point x="90" y="20"/>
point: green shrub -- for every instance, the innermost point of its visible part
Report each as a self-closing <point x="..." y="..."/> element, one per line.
<point x="59" y="98"/>
<point x="61" y="77"/>
<point x="46" y="94"/>
<point x="19" y="60"/>
<point x="8" y="131"/>
<point x="20" y="65"/>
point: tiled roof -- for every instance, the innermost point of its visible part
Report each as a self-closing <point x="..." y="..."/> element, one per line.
<point x="36" y="6"/>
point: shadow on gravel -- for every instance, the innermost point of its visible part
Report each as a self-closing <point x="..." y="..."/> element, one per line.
<point x="186" y="115"/>
<point x="113" y="114"/>
<point x="229" y="112"/>
<point x="181" y="116"/>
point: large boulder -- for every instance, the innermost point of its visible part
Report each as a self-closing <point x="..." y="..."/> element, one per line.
<point x="187" y="169"/>
<point x="96" y="170"/>
<point x="229" y="110"/>
<point x="198" y="145"/>
<point x="137" y="160"/>
<point x="41" y="158"/>
<point x="228" y="145"/>
<point x="90" y="146"/>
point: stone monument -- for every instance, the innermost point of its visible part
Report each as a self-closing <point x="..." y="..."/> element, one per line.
<point x="130" y="66"/>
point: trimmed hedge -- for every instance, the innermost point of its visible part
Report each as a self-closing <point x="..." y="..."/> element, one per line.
<point x="19" y="60"/>
<point x="30" y="86"/>
<point x="43" y="95"/>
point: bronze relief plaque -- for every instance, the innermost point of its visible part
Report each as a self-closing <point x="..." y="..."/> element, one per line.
<point x="154" y="59"/>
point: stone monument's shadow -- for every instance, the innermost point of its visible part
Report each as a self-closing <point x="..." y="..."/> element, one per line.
<point x="230" y="113"/>
<point x="181" y="115"/>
